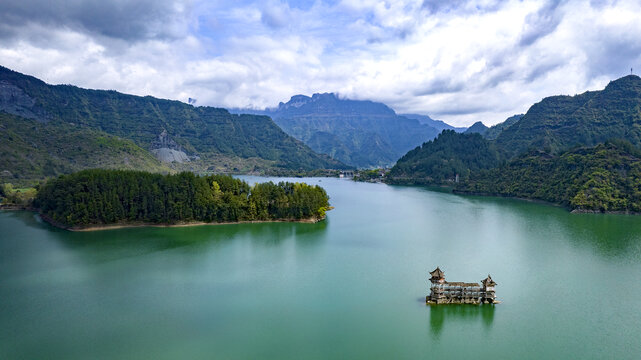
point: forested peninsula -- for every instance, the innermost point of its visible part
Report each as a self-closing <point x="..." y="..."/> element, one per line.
<point x="106" y="198"/>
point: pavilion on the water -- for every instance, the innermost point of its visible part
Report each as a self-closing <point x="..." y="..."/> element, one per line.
<point x="444" y="292"/>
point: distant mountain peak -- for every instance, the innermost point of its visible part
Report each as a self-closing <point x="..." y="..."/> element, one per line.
<point x="329" y="103"/>
<point x="296" y="101"/>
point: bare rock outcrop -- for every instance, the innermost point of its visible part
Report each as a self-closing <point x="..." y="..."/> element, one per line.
<point x="167" y="150"/>
<point x="14" y="100"/>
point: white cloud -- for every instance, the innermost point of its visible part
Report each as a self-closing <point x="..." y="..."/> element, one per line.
<point x="462" y="62"/>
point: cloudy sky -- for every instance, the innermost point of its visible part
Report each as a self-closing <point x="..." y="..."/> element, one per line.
<point x="456" y="60"/>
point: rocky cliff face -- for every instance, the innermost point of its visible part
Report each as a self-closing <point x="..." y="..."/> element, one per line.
<point x="167" y="150"/>
<point x="13" y="100"/>
<point x="167" y="155"/>
<point x="361" y="133"/>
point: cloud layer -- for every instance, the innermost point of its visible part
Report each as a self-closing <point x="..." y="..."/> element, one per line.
<point x="460" y="61"/>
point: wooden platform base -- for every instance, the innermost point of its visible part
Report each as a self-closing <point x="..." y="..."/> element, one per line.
<point x="456" y="301"/>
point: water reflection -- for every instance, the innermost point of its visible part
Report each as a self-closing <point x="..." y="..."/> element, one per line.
<point x="116" y="244"/>
<point x="439" y="314"/>
<point x="610" y="235"/>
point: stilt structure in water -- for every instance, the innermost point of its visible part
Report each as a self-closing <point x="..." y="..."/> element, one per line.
<point x="444" y="292"/>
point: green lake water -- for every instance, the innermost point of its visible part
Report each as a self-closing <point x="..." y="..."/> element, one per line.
<point x="351" y="287"/>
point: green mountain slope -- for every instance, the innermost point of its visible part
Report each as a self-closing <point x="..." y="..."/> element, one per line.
<point x="560" y="122"/>
<point x="350" y="142"/>
<point x="440" y="160"/>
<point x="205" y="137"/>
<point x="34" y="150"/>
<point x="493" y="131"/>
<point x="580" y="151"/>
<point x="606" y="177"/>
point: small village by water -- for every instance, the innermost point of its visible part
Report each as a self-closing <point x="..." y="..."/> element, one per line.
<point x="353" y="286"/>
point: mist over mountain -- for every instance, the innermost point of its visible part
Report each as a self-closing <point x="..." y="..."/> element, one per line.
<point x="437" y="124"/>
<point x="361" y="133"/>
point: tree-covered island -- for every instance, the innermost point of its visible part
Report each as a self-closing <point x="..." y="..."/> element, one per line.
<point x="98" y="197"/>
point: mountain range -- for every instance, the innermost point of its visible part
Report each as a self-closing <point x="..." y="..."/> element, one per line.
<point x="360" y="133"/>
<point x="437" y="124"/>
<point x="581" y="151"/>
<point x="52" y="129"/>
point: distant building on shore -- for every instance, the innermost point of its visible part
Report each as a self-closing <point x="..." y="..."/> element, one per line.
<point x="444" y="292"/>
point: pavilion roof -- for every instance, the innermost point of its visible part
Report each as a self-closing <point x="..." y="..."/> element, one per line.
<point x="488" y="281"/>
<point x="437" y="273"/>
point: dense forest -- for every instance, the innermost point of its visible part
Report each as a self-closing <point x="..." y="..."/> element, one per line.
<point x="440" y="160"/>
<point x="95" y="197"/>
<point x="606" y="177"/>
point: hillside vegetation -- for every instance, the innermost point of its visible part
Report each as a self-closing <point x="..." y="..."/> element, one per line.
<point x="606" y="177"/>
<point x="559" y="123"/>
<point x="34" y="150"/>
<point x="204" y="136"/>
<point x="440" y="160"/>
<point x="493" y="131"/>
<point x="579" y="151"/>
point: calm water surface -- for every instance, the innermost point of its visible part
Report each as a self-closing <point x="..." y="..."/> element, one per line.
<point x="350" y="287"/>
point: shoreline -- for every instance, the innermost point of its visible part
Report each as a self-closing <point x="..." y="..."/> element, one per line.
<point x="14" y="207"/>
<point x="453" y="191"/>
<point x="543" y="202"/>
<point x="101" y="227"/>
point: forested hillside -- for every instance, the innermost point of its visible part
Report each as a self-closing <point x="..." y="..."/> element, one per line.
<point x="559" y="123"/>
<point x="477" y="128"/>
<point x="579" y="151"/>
<point x="493" y="131"/>
<point x="205" y="137"/>
<point x="606" y="177"/>
<point x="34" y="150"/>
<point x="95" y="197"/>
<point x="440" y="160"/>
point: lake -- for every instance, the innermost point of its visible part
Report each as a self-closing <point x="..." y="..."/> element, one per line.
<point x="350" y="287"/>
